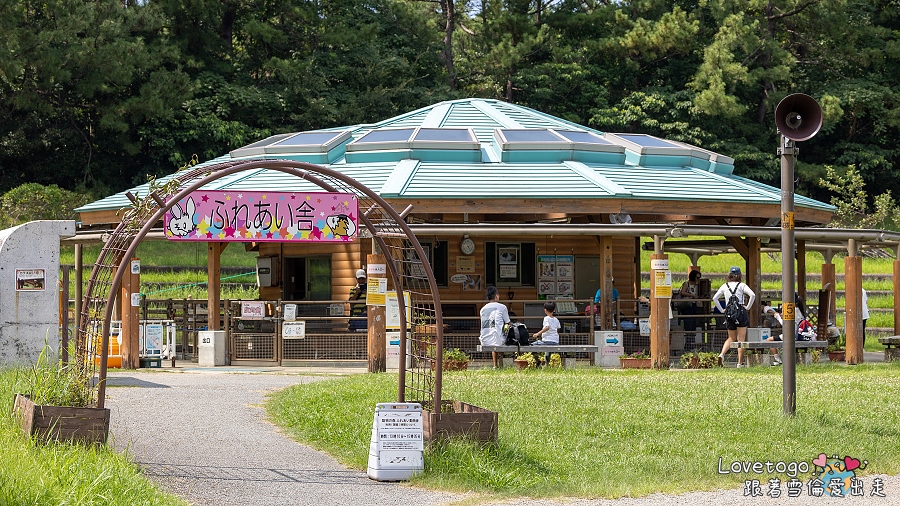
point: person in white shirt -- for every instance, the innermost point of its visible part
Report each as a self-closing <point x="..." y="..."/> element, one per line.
<point x="865" y="314"/>
<point x="493" y="316"/>
<point x="549" y="334"/>
<point x="745" y="296"/>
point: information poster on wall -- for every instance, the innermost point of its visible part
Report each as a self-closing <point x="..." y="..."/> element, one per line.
<point x="29" y="280"/>
<point x="556" y="276"/>
<point x="375" y="291"/>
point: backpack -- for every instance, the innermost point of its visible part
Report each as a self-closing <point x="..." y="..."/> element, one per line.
<point x="735" y="312"/>
<point x="516" y="334"/>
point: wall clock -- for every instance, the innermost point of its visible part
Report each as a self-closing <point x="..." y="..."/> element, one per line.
<point x="467" y="246"/>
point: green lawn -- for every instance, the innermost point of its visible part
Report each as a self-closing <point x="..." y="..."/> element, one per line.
<point x="609" y="433"/>
<point x="73" y="475"/>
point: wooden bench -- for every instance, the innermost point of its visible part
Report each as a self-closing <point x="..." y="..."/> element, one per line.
<point x="800" y="346"/>
<point x="761" y="345"/>
<point x="562" y="349"/>
<point x="891" y="347"/>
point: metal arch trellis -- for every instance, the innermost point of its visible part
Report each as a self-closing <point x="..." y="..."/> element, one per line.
<point x="408" y="269"/>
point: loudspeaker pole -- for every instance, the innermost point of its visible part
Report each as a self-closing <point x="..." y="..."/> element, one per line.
<point x="798" y="118"/>
<point x="788" y="151"/>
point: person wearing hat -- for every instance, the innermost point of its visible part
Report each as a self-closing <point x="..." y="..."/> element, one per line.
<point x="358" y="308"/>
<point x="745" y="296"/>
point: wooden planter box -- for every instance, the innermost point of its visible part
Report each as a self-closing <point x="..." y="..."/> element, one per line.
<point x="635" y="363"/>
<point x="465" y="420"/>
<point x="836" y="356"/>
<point x="61" y="423"/>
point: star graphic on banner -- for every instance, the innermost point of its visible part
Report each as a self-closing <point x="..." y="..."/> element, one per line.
<point x="209" y="235"/>
<point x="269" y="234"/>
<point x="317" y="233"/>
<point x="228" y="197"/>
<point x="229" y="231"/>
<point x="205" y="198"/>
<point x="283" y="231"/>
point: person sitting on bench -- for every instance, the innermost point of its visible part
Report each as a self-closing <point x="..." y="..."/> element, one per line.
<point x="549" y="334"/>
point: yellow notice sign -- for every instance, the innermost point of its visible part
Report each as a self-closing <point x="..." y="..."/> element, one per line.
<point x="376" y="292"/>
<point x="663" y="284"/>
<point x="787" y="221"/>
<point x="788" y="311"/>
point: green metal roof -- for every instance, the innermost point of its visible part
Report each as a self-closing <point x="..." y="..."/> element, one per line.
<point x="625" y="166"/>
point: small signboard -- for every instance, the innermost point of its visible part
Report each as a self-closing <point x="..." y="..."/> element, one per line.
<point x="293" y="330"/>
<point x="660" y="264"/>
<point x="290" y="312"/>
<point x="28" y="280"/>
<point x="663" y="285"/>
<point x="253" y="309"/>
<point x="465" y="264"/>
<point x="392" y="310"/>
<point x="644" y="324"/>
<point x="376" y="292"/>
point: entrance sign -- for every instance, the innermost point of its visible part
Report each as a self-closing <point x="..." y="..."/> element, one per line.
<point x="232" y="216"/>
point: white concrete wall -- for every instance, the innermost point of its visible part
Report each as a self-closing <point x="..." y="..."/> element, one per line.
<point x="30" y="318"/>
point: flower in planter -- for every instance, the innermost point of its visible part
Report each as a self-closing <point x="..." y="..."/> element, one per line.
<point x="637" y="354"/>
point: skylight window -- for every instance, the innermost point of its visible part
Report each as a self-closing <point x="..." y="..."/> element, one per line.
<point x="445" y="134"/>
<point x="258" y="147"/>
<point x="647" y="141"/>
<point x="294" y="143"/>
<point x="536" y="135"/>
<point x="402" y="134"/>
<point x="583" y="137"/>
<point x="647" y="144"/>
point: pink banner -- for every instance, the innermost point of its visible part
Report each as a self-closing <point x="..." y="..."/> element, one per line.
<point x="249" y="216"/>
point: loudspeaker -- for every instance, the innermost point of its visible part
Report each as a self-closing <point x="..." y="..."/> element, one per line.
<point x="798" y="117"/>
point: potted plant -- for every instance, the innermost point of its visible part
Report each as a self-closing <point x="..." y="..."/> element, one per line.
<point x="637" y="360"/>
<point x="837" y="351"/>
<point x="59" y="403"/>
<point x="555" y="360"/>
<point x="424" y="325"/>
<point x="698" y="360"/>
<point x="525" y="360"/>
<point x="455" y="360"/>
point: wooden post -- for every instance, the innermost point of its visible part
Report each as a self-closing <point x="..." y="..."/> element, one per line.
<point x="213" y="284"/>
<point x="853" y="302"/>
<point x="79" y="284"/>
<point x="659" y="319"/>
<point x="754" y="278"/>
<point x="828" y="279"/>
<point x="801" y="269"/>
<point x="607" y="306"/>
<point x="131" y="316"/>
<point x="376" y="269"/>
<point x="897" y="295"/>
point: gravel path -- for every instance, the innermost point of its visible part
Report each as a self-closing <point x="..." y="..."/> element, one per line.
<point x="204" y="437"/>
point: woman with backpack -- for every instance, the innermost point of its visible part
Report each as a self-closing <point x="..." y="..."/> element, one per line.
<point x="739" y="297"/>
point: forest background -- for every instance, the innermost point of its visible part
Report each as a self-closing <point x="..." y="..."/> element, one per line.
<point x="97" y="96"/>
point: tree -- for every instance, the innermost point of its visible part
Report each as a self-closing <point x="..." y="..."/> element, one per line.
<point x="32" y="201"/>
<point x="76" y="79"/>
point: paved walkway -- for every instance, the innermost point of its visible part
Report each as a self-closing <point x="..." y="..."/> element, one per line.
<point x="204" y="436"/>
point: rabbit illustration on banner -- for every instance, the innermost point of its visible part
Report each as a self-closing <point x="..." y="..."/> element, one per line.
<point x="182" y="221"/>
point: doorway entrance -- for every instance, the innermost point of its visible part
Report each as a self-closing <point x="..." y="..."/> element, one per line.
<point x="307" y="278"/>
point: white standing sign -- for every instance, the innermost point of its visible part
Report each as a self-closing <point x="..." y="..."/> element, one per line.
<point x="398" y="442"/>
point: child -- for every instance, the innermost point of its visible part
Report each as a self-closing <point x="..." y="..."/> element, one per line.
<point x="550" y="333"/>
